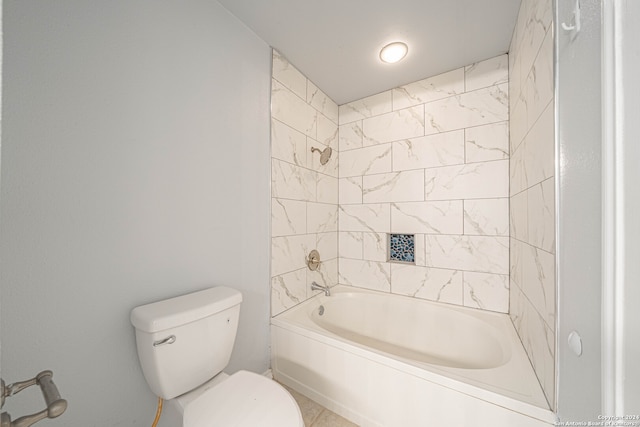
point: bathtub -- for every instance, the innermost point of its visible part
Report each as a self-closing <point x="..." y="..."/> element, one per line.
<point x="385" y="360"/>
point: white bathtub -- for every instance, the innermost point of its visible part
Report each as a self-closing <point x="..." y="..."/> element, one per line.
<point x="385" y="360"/>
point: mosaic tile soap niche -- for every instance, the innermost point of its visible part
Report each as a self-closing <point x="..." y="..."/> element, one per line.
<point x="402" y="248"/>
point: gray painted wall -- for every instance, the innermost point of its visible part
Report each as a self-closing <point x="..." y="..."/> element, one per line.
<point x="578" y="109"/>
<point x="135" y="167"/>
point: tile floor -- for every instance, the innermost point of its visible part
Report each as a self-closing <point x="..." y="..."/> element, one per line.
<point x="316" y="415"/>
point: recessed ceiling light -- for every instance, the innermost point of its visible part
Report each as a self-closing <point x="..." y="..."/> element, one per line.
<point x="393" y="52"/>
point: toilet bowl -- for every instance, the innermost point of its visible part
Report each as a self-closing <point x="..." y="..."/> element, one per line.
<point x="183" y="345"/>
<point x="243" y="399"/>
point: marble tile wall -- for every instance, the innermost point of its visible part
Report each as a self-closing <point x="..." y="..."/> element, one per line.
<point x="304" y="193"/>
<point x="532" y="187"/>
<point x="430" y="158"/>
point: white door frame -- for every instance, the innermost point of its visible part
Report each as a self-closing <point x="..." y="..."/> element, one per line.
<point x="621" y="207"/>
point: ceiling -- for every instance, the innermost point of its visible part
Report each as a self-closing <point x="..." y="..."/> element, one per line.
<point x="336" y="43"/>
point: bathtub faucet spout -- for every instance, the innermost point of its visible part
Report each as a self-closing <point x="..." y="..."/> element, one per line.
<point x="316" y="287"/>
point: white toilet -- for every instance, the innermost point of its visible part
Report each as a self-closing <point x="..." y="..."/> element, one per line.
<point x="184" y="343"/>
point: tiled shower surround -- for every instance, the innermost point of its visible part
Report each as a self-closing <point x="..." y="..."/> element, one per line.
<point x="304" y="202"/>
<point x="532" y="188"/>
<point x="430" y="158"/>
<point x="452" y="159"/>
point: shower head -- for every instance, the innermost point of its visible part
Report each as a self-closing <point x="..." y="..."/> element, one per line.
<point x="325" y="154"/>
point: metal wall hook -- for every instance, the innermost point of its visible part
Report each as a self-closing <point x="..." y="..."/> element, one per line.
<point x="576" y="20"/>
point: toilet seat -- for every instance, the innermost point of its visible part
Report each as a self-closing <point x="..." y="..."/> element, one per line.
<point x="245" y="399"/>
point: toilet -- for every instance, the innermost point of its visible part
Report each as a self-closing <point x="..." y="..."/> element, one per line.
<point x="185" y="342"/>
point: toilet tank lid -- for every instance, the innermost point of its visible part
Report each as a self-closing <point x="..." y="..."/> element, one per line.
<point x="173" y="312"/>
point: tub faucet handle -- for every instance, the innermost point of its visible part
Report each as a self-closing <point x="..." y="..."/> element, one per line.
<point x="313" y="260"/>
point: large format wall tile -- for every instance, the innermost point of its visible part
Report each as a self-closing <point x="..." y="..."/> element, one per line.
<point x="327" y="132"/>
<point x="537" y="338"/>
<point x="350" y="136"/>
<point x="532" y="198"/>
<point x="288" y="108"/>
<point x="350" y="190"/>
<point x="486" y="217"/>
<point x="289" y="75"/>
<point x="482" y="106"/>
<point x="288" y="290"/>
<point x="539" y="149"/>
<point x="288" y="253"/>
<point x="434" y="284"/>
<point x="536" y="25"/>
<point x="350" y="244"/>
<point x="430" y="151"/>
<point x="470" y="181"/>
<point x="517" y="172"/>
<point x="367" y="107"/>
<point x="374" y="247"/>
<point x="420" y="249"/>
<point x="518" y="217"/>
<point x="288" y="144"/>
<point x="427" y="90"/>
<point x="365" y="161"/>
<point x="326" y="189"/>
<point x="516" y="249"/>
<point x="518" y="123"/>
<point x="393" y="126"/>
<point x="288" y="217"/>
<point x="486" y="291"/>
<point x="292" y="182"/>
<point x="488" y="142"/>
<point x="322" y="217"/>
<point x="469" y="253"/>
<point x="541" y="215"/>
<point x="365" y="274"/>
<point x="393" y="187"/>
<point x="321" y="102"/>
<point x="539" y="85"/>
<point x="492" y="72"/>
<point x="327" y="245"/>
<point x="538" y="281"/>
<point x="372" y="217"/>
<point x="442" y="217"/>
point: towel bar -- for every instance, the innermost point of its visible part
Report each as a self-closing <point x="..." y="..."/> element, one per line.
<point x="56" y="405"/>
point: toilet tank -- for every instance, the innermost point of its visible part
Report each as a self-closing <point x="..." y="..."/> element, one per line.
<point x="185" y="341"/>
